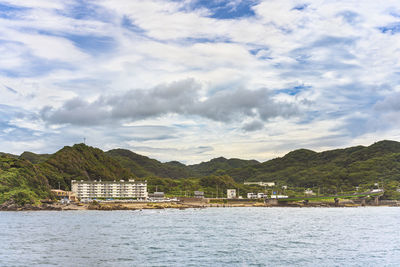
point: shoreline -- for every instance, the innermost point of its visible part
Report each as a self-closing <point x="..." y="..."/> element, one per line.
<point x="180" y="205"/>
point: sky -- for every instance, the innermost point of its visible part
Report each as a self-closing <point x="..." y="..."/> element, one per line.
<point x="193" y="80"/>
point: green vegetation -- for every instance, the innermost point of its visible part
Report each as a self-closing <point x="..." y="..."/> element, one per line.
<point x="81" y="162"/>
<point x="21" y="182"/>
<point x="332" y="171"/>
<point x="219" y="165"/>
<point x="34" y="158"/>
<point x="29" y="177"/>
<point x="142" y="166"/>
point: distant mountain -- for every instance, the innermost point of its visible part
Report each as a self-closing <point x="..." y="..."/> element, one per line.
<point x="143" y="166"/>
<point x="82" y="162"/>
<point x="220" y="164"/>
<point x="34" y="158"/>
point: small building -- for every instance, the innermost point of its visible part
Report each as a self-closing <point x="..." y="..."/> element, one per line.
<point x="231" y="193"/>
<point x="284" y="187"/>
<point x="63" y="195"/>
<point x="269" y="184"/>
<point x="198" y="194"/>
<point x="157" y="196"/>
<point x="279" y="196"/>
<point x="376" y="190"/>
<point x="261" y="195"/>
<point x="251" y="195"/>
<point x="309" y="192"/>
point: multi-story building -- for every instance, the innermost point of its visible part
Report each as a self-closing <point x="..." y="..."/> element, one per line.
<point x="110" y="189"/>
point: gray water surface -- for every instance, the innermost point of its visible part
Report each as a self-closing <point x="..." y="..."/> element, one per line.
<point x="207" y="237"/>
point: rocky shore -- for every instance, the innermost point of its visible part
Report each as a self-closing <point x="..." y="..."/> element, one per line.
<point x="12" y="206"/>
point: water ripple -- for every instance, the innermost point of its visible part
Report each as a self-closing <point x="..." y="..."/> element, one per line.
<point x="205" y="237"/>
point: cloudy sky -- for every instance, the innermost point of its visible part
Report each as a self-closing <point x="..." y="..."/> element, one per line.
<point x="195" y="79"/>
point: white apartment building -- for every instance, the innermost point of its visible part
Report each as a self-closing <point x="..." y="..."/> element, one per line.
<point x="110" y="189"/>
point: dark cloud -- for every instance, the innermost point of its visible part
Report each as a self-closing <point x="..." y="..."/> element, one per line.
<point x="253" y="126"/>
<point x="180" y="97"/>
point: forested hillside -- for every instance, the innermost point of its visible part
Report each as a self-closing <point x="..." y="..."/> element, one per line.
<point x="220" y="164"/>
<point x="81" y="162"/>
<point x="21" y="181"/>
<point x="143" y="166"/>
<point x="30" y="176"/>
<point x="343" y="168"/>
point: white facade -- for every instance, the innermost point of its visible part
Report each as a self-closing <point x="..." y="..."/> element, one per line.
<point x="109" y="189"/>
<point x="251" y="195"/>
<point x="260" y="183"/>
<point x="279" y="196"/>
<point x="260" y="195"/>
<point x="231" y="193"/>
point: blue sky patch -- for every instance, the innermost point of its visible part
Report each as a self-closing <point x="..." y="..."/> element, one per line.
<point x="10" y="11"/>
<point x="300" y="7"/>
<point x="225" y="9"/>
<point x="294" y="90"/>
<point x="93" y="44"/>
<point x="130" y="25"/>
<point x="391" y="29"/>
<point x="86" y="10"/>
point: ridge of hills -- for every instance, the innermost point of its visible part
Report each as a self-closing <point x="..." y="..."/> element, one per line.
<point x="346" y="167"/>
<point x="34" y="174"/>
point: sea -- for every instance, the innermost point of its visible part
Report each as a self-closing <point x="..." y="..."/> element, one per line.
<point x="245" y="236"/>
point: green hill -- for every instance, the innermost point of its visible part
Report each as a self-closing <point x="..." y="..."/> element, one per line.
<point x="220" y="164"/>
<point x="344" y="168"/>
<point x="143" y="166"/>
<point x="81" y="162"/>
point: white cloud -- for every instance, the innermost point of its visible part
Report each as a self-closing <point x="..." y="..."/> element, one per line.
<point x="333" y="53"/>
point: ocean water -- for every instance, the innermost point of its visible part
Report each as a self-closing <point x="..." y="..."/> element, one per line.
<point x="203" y="237"/>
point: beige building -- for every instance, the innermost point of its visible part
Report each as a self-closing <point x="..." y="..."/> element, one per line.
<point x="110" y="189"/>
<point x="61" y="194"/>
